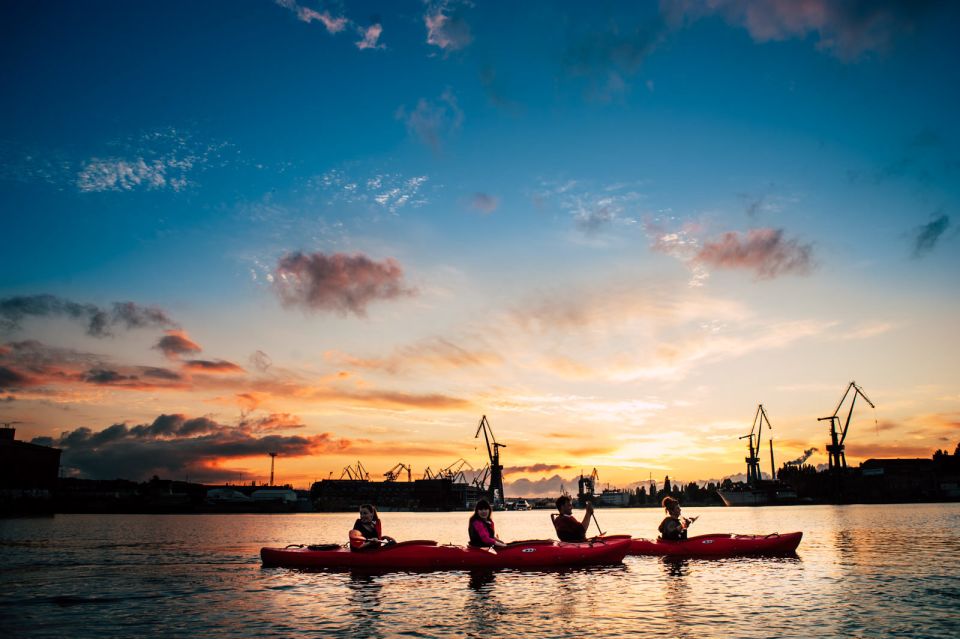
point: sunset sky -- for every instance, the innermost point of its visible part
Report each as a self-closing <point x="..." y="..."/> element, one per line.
<point x="344" y="231"/>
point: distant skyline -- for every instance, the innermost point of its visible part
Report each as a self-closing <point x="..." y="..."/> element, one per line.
<point x="344" y="231"/>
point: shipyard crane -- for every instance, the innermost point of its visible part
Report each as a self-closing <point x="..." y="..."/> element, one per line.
<point x="586" y="486"/>
<point x="837" y="457"/>
<point x="273" y="458"/>
<point x="355" y="473"/>
<point x="753" y="443"/>
<point x="394" y="472"/>
<point x="480" y="479"/>
<point x="495" y="489"/>
<point x="454" y="471"/>
<point x="428" y="474"/>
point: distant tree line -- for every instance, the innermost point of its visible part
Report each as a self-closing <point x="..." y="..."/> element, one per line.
<point x="689" y="494"/>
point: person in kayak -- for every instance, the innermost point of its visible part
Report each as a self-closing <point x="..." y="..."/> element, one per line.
<point x="674" y="527"/>
<point x="482" y="532"/>
<point x="367" y="532"/>
<point x="566" y="525"/>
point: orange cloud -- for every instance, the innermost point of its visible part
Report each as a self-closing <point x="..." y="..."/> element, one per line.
<point x="212" y="366"/>
<point x="176" y="343"/>
<point x="763" y="251"/>
<point x="339" y="282"/>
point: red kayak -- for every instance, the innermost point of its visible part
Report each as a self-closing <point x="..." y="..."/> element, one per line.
<point x="428" y="555"/>
<point x="719" y="545"/>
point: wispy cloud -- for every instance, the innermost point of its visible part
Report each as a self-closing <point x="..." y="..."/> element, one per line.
<point x="593" y="209"/>
<point x="127" y="174"/>
<point x="432" y="122"/>
<point x="680" y="241"/>
<point x="434" y="354"/>
<point x="340" y="283"/>
<point x="926" y="236"/>
<point x="484" y="202"/>
<point x="333" y="24"/>
<point x="446" y="25"/>
<point x="369" y="37"/>
<point x="757" y="205"/>
<point x="164" y="159"/>
<point x="608" y="59"/>
<point x="389" y="192"/>
<point x="99" y="321"/>
<point x="847" y="30"/>
<point x="536" y="468"/>
<point x="765" y="251"/>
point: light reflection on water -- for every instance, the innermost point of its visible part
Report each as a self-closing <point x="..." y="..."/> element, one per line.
<point x="878" y="571"/>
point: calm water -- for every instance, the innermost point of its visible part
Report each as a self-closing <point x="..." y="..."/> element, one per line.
<point x="861" y="571"/>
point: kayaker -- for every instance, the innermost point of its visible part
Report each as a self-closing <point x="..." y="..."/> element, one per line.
<point x="367" y="532"/>
<point x="482" y="532"/>
<point x="566" y="525"/>
<point x="674" y="527"/>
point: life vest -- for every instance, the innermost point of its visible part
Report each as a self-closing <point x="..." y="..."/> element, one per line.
<point x="475" y="536"/>
<point x="670" y="532"/>
<point x="569" y="529"/>
<point x="362" y="533"/>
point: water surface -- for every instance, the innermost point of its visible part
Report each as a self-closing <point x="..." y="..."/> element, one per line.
<point x="861" y="571"/>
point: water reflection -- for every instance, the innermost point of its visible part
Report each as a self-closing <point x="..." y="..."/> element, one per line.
<point x="675" y="566"/>
<point x="365" y="598"/>
<point x="676" y="594"/>
<point x="481" y="579"/>
<point x="483" y="609"/>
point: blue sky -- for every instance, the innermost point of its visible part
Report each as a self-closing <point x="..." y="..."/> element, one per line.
<point x="610" y="217"/>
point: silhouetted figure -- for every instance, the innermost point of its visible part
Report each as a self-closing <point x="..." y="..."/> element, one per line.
<point x="567" y="526"/>
<point x="674" y="527"/>
<point x="482" y="532"/>
<point x="367" y="531"/>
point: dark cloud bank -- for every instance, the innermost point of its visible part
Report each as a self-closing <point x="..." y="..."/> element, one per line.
<point x="99" y="321"/>
<point x="174" y="446"/>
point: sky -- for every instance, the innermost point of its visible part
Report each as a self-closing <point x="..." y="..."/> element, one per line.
<point x="344" y="231"/>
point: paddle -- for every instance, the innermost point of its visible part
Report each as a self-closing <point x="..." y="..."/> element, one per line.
<point x="594" y="514"/>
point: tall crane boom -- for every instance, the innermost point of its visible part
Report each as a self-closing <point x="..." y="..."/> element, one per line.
<point x="753" y="443"/>
<point x="495" y="490"/>
<point x="394" y="473"/>
<point x="835" y="449"/>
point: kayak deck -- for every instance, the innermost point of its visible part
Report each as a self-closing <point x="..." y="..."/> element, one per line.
<point x="724" y="545"/>
<point x="428" y="555"/>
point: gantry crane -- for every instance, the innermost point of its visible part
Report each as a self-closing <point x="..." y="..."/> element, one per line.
<point x="838" y="459"/>
<point x="495" y="490"/>
<point x="394" y="472"/>
<point x="454" y="471"/>
<point x="355" y="473"/>
<point x="753" y="443"/>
